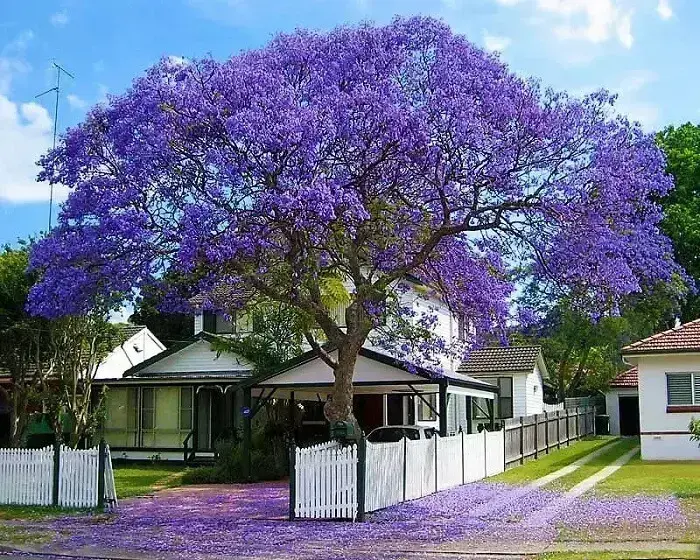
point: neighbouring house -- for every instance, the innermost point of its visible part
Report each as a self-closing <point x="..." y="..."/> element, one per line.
<point x="518" y="371"/>
<point x="668" y="372"/>
<point x="139" y="344"/>
<point x="176" y="405"/>
<point x="622" y="404"/>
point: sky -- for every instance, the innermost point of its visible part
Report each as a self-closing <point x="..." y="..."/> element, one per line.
<point x="643" y="50"/>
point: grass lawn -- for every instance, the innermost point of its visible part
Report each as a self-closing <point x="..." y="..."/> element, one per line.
<point x="655" y="554"/>
<point x="680" y="478"/>
<point x="597" y="463"/>
<point x="532" y="470"/>
<point x="139" y="480"/>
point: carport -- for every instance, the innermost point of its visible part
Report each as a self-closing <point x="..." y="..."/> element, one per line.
<point x="308" y="378"/>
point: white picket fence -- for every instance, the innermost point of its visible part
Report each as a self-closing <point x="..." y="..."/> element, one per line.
<point x="325" y="482"/>
<point x="27" y="476"/>
<point x="325" y="476"/>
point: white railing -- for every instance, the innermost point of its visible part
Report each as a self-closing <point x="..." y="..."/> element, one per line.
<point x="27" y="477"/>
<point x="552" y="407"/>
<point x="325" y="482"/>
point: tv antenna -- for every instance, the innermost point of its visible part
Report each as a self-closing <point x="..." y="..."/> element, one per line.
<point x="57" y="88"/>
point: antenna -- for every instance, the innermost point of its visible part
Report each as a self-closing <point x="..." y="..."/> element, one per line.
<point x="57" y="88"/>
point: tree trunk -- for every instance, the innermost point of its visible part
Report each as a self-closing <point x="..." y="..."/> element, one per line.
<point x="339" y="405"/>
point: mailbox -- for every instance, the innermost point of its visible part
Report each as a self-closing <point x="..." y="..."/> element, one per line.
<point x="343" y="430"/>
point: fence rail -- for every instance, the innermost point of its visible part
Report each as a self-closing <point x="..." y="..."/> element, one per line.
<point x="57" y="476"/>
<point x="530" y="436"/>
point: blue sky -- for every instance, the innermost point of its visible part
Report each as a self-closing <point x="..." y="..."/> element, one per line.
<point x="644" y="50"/>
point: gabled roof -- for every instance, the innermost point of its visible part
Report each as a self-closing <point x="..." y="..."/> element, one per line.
<point x="457" y="379"/>
<point x="501" y="359"/>
<point x="684" y="338"/>
<point x="626" y="380"/>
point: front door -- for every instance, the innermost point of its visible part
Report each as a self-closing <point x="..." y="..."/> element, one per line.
<point x="204" y="420"/>
<point x="394" y="410"/>
<point x="629" y="416"/>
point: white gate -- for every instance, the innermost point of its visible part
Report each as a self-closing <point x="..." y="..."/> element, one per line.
<point x="325" y="481"/>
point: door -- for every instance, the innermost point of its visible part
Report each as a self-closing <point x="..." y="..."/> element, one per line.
<point x="629" y="415"/>
<point x="394" y="410"/>
<point x="203" y="420"/>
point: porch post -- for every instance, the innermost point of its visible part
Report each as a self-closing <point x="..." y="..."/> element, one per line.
<point x="442" y="407"/>
<point x="195" y="420"/>
<point x="490" y="404"/>
<point x="247" y="431"/>
<point x="292" y="415"/>
<point x="469" y="414"/>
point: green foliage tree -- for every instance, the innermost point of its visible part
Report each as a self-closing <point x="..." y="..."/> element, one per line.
<point x="694" y="429"/>
<point x="22" y="343"/>
<point x="682" y="206"/>
<point x="583" y="353"/>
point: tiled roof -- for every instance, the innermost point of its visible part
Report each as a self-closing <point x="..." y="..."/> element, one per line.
<point x="221" y="297"/>
<point x="625" y="379"/>
<point x="500" y="359"/>
<point x="131" y="330"/>
<point x="685" y="338"/>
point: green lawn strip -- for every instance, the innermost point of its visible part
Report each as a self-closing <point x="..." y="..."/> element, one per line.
<point x="584" y="471"/>
<point x="534" y="469"/>
<point x="140" y="480"/>
<point x="622" y="555"/>
<point x="34" y="513"/>
<point x="19" y="536"/>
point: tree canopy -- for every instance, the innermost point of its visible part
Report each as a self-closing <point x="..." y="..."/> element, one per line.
<point x="366" y="154"/>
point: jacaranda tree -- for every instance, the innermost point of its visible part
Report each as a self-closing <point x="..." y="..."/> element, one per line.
<point x="369" y="155"/>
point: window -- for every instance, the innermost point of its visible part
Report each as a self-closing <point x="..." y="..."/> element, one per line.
<point x="505" y="398"/>
<point x="683" y="389"/>
<point x="504" y="401"/>
<point x="185" y="408"/>
<point x="425" y="412"/>
<point x="148" y="408"/>
<point x="463" y="328"/>
<point x="132" y="415"/>
<point x="218" y="324"/>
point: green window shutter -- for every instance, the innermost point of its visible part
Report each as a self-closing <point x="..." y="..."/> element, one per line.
<point x="696" y="381"/>
<point x="680" y="389"/>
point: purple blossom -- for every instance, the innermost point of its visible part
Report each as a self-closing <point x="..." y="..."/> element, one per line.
<point x="374" y="152"/>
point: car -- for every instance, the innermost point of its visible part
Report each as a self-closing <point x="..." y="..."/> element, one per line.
<point x="388" y="434"/>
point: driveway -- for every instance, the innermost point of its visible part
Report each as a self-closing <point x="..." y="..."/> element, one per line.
<point x="250" y="521"/>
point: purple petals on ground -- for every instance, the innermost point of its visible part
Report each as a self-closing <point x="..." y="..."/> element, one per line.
<point x="588" y="512"/>
<point x="250" y="520"/>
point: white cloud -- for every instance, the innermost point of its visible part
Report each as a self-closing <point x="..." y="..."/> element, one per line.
<point x="178" y="60"/>
<point x="623" y="28"/>
<point x="59" y="19"/>
<point x="26" y="131"/>
<point x="12" y="61"/>
<point x="76" y="102"/>
<point x="663" y="8"/>
<point x="629" y="90"/>
<point x="496" y="42"/>
<point x="508" y="2"/>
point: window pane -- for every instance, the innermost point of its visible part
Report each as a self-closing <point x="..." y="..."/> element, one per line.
<point x="506" y="385"/>
<point x="425" y="413"/>
<point x="132" y="418"/>
<point x="679" y="388"/>
<point x="186" y="397"/>
<point x="506" y="405"/>
<point x="147" y="396"/>
<point x="223" y="325"/>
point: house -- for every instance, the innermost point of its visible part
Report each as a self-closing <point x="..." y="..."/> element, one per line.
<point x="622" y="404"/>
<point x="668" y="373"/>
<point x="519" y="373"/>
<point x="178" y="403"/>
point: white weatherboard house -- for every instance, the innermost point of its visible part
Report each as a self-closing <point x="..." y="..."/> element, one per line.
<point x="178" y="403"/>
<point x="518" y="371"/>
<point x="622" y="404"/>
<point x="668" y="369"/>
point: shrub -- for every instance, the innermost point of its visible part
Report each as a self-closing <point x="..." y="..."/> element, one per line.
<point x="695" y="429"/>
